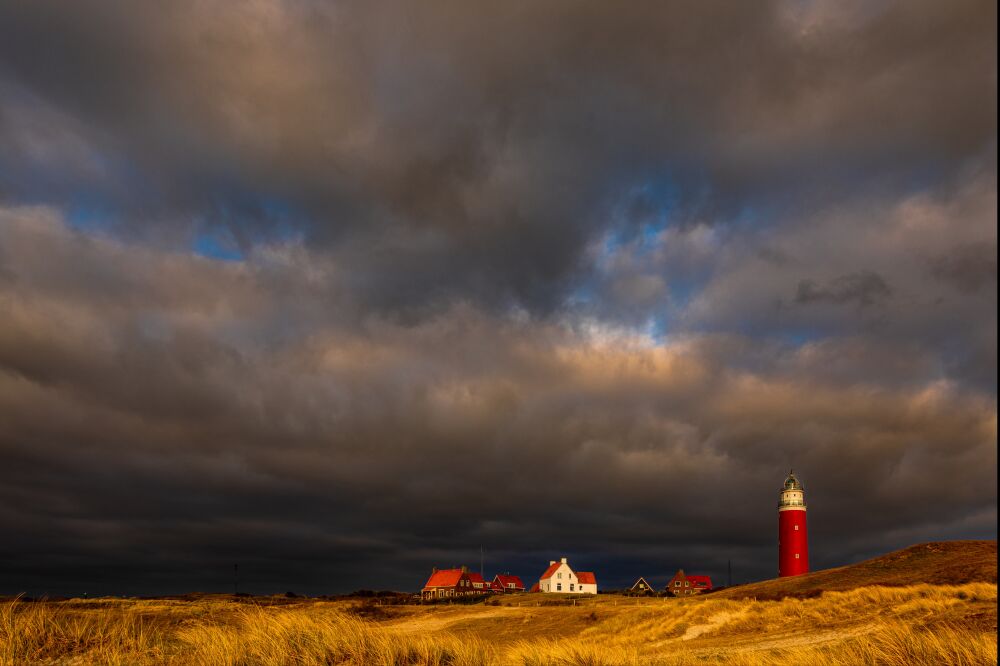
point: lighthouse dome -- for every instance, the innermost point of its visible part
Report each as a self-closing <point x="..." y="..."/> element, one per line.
<point x="791" y="483"/>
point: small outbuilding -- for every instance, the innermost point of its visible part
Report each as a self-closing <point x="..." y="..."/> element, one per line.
<point x="586" y="582"/>
<point x="641" y="587"/>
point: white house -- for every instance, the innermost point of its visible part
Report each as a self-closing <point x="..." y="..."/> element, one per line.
<point x="561" y="579"/>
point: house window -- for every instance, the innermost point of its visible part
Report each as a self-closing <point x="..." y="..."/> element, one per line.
<point x="558" y="587"/>
<point x="687" y="583"/>
<point x="677" y="583"/>
<point x="559" y="575"/>
<point x="571" y="587"/>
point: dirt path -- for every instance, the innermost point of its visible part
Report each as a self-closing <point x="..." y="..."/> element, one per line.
<point x="811" y="638"/>
<point x="782" y="641"/>
<point x="445" y="619"/>
<point x="713" y="623"/>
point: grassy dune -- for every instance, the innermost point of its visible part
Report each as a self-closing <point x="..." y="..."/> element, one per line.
<point x="937" y="562"/>
<point x="838" y="616"/>
<point x="919" y="624"/>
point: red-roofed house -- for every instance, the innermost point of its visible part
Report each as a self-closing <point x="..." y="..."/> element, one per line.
<point x="479" y="585"/>
<point x="445" y="583"/>
<point x="508" y="583"/>
<point x="534" y="588"/>
<point x="682" y="584"/>
<point x="586" y="582"/>
<point x="561" y="579"/>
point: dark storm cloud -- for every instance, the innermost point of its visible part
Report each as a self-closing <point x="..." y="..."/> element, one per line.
<point x="471" y="150"/>
<point x="142" y="425"/>
<point x="862" y="289"/>
<point x="557" y="278"/>
<point x="968" y="267"/>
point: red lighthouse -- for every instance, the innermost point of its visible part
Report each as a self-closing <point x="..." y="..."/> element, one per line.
<point x="793" y="540"/>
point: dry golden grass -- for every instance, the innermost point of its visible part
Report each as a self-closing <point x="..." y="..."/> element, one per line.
<point x="919" y="624"/>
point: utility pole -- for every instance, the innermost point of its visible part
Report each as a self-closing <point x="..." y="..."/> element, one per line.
<point x="729" y="577"/>
<point x="236" y="579"/>
<point x="482" y="562"/>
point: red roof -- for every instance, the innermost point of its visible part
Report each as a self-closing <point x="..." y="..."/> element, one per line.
<point x="444" y="578"/>
<point x="586" y="578"/>
<point x="505" y="581"/>
<point x="534" y="588"/>
<point x="551" y="570"/>
<point x="476" y="578"/>
<point x="700" y="581"/>
<point x="496" y="586"/>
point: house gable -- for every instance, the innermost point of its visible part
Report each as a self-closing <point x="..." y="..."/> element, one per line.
<point x="559" y="577"/>
<point x="508" y="583"/>
<point x="641" y="586"/>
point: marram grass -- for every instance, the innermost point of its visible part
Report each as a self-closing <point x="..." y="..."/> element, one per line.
<point x="918" y="625"/>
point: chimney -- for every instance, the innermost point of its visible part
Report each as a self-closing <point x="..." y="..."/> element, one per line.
<point x="465" y="569"/>
<point x="551" y="562"/>
<point x="434" y="570"/>
<point x="563" y="560"/>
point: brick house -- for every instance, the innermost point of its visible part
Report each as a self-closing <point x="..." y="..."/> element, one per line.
<point x="446" y="583"/>
<point x="479" y="584"/>
<point x="682" y="584"/>
<point x="508" y="583"/>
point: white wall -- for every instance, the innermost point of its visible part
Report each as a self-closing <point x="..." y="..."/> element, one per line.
<point x="564" y="581"/>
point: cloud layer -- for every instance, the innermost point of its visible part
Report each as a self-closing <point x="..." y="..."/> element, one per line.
<point x="341" y="292"/>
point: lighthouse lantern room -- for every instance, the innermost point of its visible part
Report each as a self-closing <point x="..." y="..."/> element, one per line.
<point x="793" y="542"/>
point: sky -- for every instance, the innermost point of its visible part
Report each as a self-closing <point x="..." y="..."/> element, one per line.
<point x="343" y="291"/>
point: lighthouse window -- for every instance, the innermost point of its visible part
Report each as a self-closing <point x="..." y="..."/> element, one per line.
<point x="796" y="556"/>
<point x="796" y="528"/>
